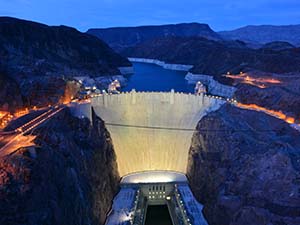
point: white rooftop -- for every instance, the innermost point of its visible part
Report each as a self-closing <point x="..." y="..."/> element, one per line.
<point x="192" y="206"/>
<point x="156" y="176"/>
<point x="122" y="208"/>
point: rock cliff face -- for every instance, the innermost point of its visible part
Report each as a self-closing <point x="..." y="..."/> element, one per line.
<point x="70" y="178"/>
<point x="123" y="37"/>
<point x="244" y="167"/>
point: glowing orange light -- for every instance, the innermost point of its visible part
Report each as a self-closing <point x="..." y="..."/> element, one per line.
<point x="21" y="112"/>
<point x="271" y="112"/>
<point x="5" y="118"/>
<point x="260" y="82"/>
<point x="70" y="92"/>
<point x="290" y="120"/>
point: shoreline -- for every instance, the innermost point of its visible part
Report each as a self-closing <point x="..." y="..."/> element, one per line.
<point x="178" y="67"/>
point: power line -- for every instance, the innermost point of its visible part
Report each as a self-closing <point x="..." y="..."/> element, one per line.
<point x="149" y="127"/>
<point x="187" y="129"/>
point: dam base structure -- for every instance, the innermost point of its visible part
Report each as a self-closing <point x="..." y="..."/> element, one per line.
<point x="140" y="191"/>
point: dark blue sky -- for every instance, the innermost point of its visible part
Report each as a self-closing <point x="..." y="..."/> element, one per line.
<point x="219" y="14"/>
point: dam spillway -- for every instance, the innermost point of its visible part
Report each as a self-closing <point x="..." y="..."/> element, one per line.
<point x="140" y="192"/>
<point x="152" y="130"/>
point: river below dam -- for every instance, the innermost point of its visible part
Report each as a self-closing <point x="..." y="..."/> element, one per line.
<point x="150" y="77"/>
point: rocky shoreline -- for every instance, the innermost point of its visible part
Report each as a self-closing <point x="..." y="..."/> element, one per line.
<point x="179" y="67"/>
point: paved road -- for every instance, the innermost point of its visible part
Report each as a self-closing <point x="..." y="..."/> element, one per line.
<point x="18" y="137"/>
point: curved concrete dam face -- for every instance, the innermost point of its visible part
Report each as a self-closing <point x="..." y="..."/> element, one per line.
<point x="152" y="130"/>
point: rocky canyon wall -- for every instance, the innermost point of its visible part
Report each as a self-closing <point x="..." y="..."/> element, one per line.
<point x="244" y="167"/>
<point x="69" y="177"/>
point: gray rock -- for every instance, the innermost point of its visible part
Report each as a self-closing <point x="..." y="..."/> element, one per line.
<point x="71" y="180"/>
<point x="244" y="167"/>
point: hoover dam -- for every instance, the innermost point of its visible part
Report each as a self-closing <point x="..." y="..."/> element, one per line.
<point x="151" y="133"/>
<point x="150" y="130"/>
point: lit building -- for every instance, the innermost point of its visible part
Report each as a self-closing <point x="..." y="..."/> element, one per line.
<point x="200" y="88"/>
<point x="113" y="87"/>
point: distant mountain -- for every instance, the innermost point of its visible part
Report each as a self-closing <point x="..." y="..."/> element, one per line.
<point x="122" y="37"/>
<point x="28" y="48"/>
<point x="264" y="34"/>
<point x="217" y="57"/>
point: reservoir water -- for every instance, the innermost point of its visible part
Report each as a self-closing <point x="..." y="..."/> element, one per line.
<point x="150" y="77"/>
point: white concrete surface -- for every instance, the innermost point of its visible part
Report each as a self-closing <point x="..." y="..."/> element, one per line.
<point x="154" y="177"/>
<point x="152" y="130"/>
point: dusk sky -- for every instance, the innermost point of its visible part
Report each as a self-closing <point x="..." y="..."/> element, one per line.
<point x="219" y="14"/>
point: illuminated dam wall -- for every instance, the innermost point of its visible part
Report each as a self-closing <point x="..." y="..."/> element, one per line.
<point x="152" y="130"/>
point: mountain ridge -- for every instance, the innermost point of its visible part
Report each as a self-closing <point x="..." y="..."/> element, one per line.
<point x="265" y="33"/>
<point x="29" y="48"/>
<point x="122" y="37"/>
